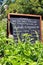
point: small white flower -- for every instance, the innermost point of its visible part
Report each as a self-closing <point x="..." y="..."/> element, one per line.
<point x="11" y="36"/>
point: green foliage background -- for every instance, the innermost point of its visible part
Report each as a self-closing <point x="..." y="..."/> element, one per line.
<point x="27" y="6"/>
<point x="24" y="6"/>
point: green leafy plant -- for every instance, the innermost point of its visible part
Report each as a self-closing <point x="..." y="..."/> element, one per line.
<point x="22" y="53"/>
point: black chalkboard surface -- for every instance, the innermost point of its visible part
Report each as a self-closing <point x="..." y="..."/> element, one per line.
<point x="21" y="24"/>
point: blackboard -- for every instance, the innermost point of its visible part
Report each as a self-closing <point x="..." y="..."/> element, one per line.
<point x="25" y="24"/>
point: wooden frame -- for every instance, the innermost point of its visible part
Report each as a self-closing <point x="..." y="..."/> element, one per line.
<point x="30" y="15"/>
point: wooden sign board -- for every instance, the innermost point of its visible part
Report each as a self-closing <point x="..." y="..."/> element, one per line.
<point x="19" y="24"/>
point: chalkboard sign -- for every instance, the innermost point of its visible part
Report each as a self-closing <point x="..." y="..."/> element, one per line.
<point x="19" y="24"/>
